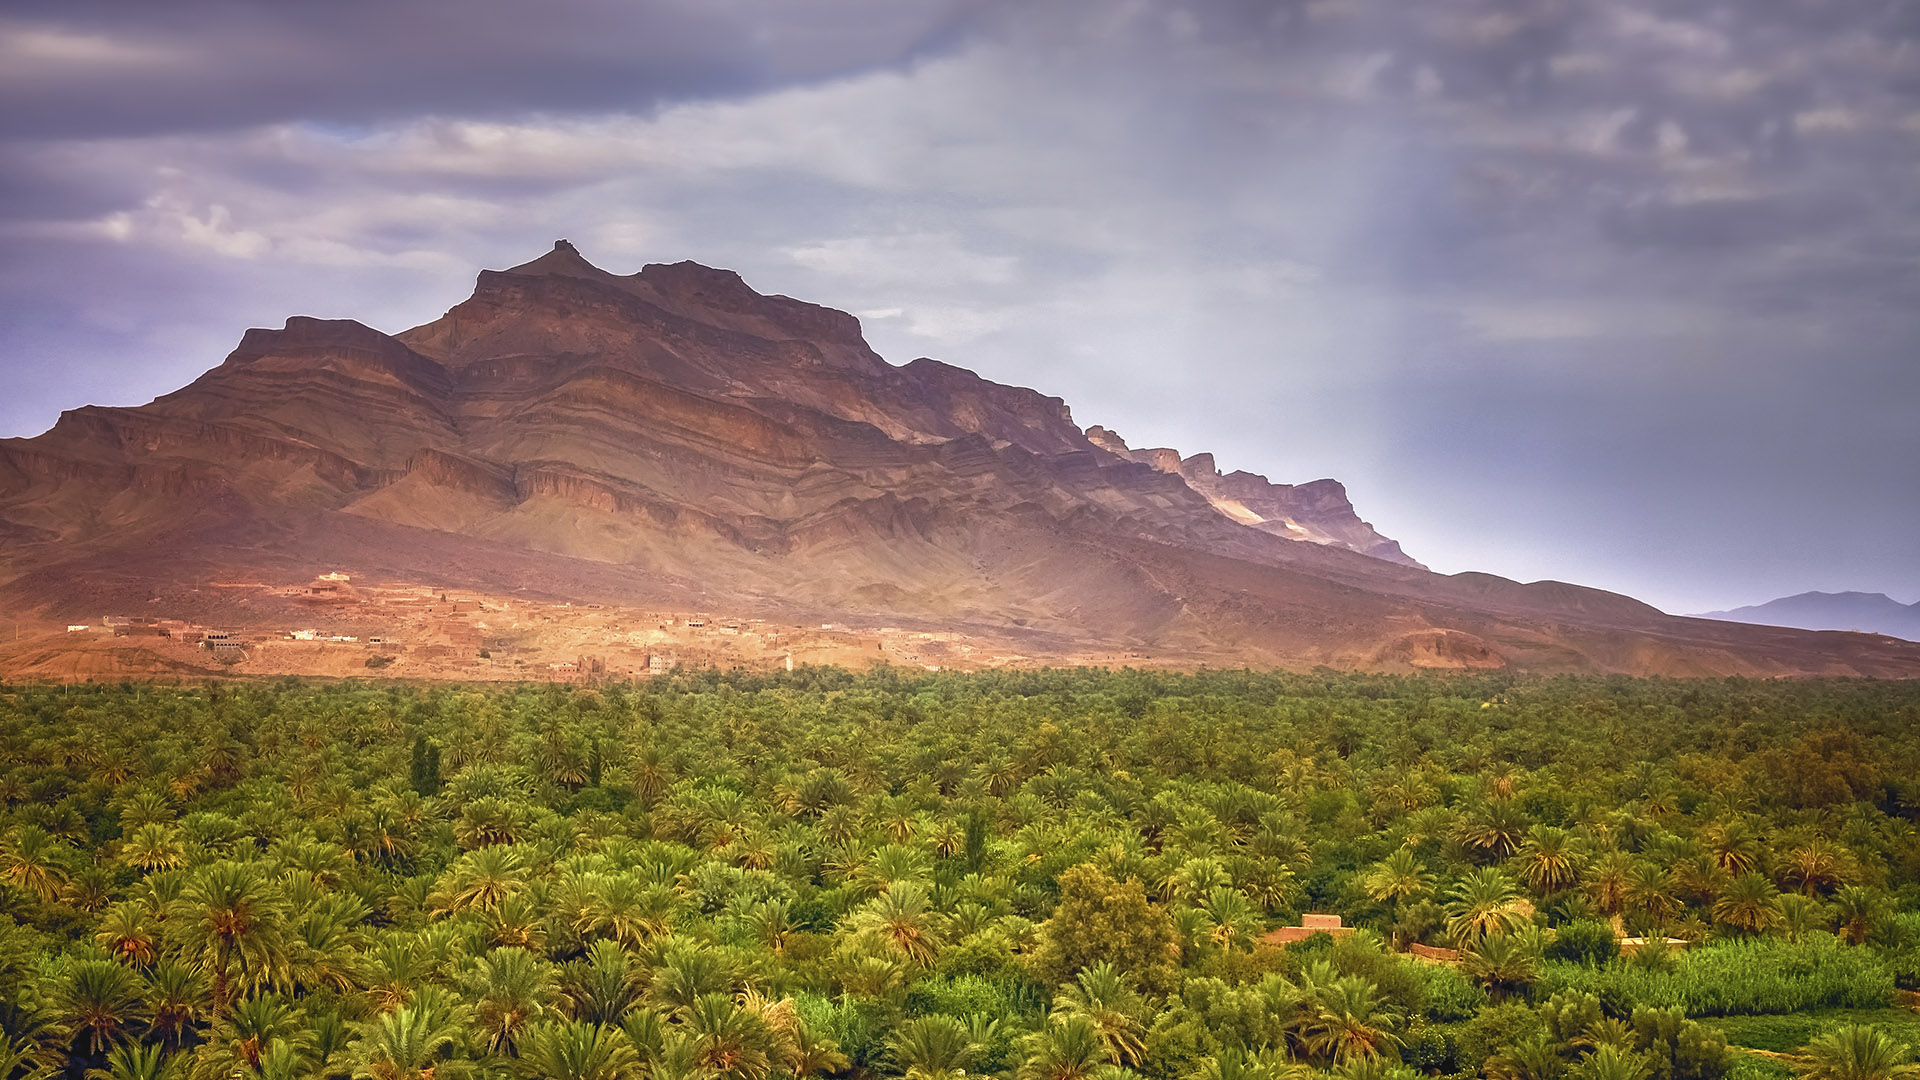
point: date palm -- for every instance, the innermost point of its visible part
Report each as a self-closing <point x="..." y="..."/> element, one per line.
<point x="1733" y="845"/>
<point x="1606" y="882"/>
<point x="1816" y="866"/>
<point x="512" y="989"/>
<point x="578" y="1050"/>
<point x="1612" y="1062"/>
<point x="230" y="920"/>
<point x="604" y="986"/>
<point x="932" y="1047"/>
<point x="33" y="861"/>
<point x="1504" y="963"/>
<point x="1068" y="1048"/>
<point x="408" y="1043"/>
<point x="1858" y="910"/>
<point x="1102" y="995"/>
<point x="129" y="933"/>
<point x="1483" y="903"/>
<point x="1349" y="1019"/>
<point x="242" y="1039"/>
<point x="1495" y="830"/>
<point x="901" y="921"/>
<point x="1650" y="890"/>
<point x="729" y="1041"/>
<point x="133" y="1061"/>
<point x="1857" y="1052"/>
<point x="1749" y="904"/>
<point x="1546" y="860"/>
<point x="1398" y="878"/>
<point x="481" y="879"/>
<point x="769" y="922"/>
<point x="97" y="1002"/>
<point x="177" y="998"/>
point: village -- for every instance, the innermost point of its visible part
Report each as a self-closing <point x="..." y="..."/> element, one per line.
<point x="340" y="627"/>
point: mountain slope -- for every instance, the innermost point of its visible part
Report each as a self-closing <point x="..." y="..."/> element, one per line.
<point x="672" y="436"/>
<point x="1875" y="613"/>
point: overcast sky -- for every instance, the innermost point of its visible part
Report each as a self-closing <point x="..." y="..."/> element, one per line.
<point x="1623" y="292"/>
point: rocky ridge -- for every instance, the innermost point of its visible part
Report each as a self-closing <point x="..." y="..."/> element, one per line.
<point x="673" y="436"/>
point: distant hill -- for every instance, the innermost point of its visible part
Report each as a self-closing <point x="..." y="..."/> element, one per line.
<point x="1875" y="613"/>
<point x="673" y="439"/>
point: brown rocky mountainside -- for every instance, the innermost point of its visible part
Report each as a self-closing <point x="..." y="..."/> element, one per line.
<point x="673" y="437"/>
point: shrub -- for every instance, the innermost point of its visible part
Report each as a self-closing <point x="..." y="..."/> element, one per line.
<point x="1447" y="994"/>
<point x="1585" y="941"/>
<point x="1736" y="978"/>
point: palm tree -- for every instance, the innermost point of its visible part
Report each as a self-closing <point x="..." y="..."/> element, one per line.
<point x="1068" y="1048"/>
<point x="1815" y="866"/>
<point x="1858" y="910"/>
<point x="770" y="922"/>
<point x="231" y="921"/>
<point x="1533" y="1058"/>
<point x="98" y="1001"/>
<point x="34" y="862"/>
<point x="1348" y="1020"/>
<point x="1504" y="963"/>
<point x="932" y="1047"/>
<point x="176" y="996"/>
<point x="129" y="934"/>
<point x="405" y="1044"/>
<point x="516" y="922"/>
<point x="242" y="1039"/>
<point x="1749" y="904"/>
<point x="578" y="1050"/>
<point x="1397" y="878"/>
<point x="729" y="1041"/>
<point x="1483" y="903"/>
<point x="391" y="969"/>
<point x="1612" y="1062"/>
<point x="133" y="1061"/>
<point x="154" y="848"/>
<point x="1650" y="889"/>
<point x="1607" y="882"/>
<point x="1800" y="916"/>
<point x="481" y="879"/>
<point x="1547" y="862"/>
<point x="513" y="989"/>
<point x="900" y="920"/>
<point x="1102" y="995"/>
<point x="602" y="988"/>
<point x="1857" y="1052"/>
<point x="1733" y="845"/>
<point x="1495" y="830"/>
<point x="1234" y="923"/>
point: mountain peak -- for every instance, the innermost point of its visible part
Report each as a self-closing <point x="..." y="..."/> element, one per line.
<point x="672" y="436"/>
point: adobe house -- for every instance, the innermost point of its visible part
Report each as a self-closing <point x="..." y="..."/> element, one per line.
<point x="1309" y="926"/>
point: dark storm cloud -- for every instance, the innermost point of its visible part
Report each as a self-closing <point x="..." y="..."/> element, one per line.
<point x="1532" y="276"/>
<point x="133" y="67"/>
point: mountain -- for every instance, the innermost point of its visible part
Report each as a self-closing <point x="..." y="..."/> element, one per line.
<point x="1875" y="613"/>
<point x="672" y="439"/>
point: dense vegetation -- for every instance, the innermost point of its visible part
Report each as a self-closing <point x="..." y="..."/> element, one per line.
<point x="1048" y="876"/>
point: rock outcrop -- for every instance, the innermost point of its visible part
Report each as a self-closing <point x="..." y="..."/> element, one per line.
<point x="575" y="434"/>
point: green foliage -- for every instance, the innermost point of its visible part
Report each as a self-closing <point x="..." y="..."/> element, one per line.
<point x="1585" y="941"/>
<point x="1048" y="874"/>
<point x="1734" y="978"/>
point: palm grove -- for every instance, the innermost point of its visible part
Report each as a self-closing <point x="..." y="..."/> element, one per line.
<point x="1047" y="876"/>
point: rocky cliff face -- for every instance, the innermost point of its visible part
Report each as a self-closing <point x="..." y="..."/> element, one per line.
<point x="673" y="433"/>
<point x="1319" y="511"/>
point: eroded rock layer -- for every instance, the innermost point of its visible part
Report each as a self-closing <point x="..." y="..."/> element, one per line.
<point x="576" y="434"/>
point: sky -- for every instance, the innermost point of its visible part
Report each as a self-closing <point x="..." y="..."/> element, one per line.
<point x="1621" y="292"/>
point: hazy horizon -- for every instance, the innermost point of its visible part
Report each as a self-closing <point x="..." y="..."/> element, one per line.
<point x="1619" y="294"/>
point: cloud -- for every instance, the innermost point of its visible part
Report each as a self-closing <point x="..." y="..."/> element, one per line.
<point x="1384" y="241"/>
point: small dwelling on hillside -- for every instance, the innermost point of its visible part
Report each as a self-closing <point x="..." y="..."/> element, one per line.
<point x="1309" y="926"/>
